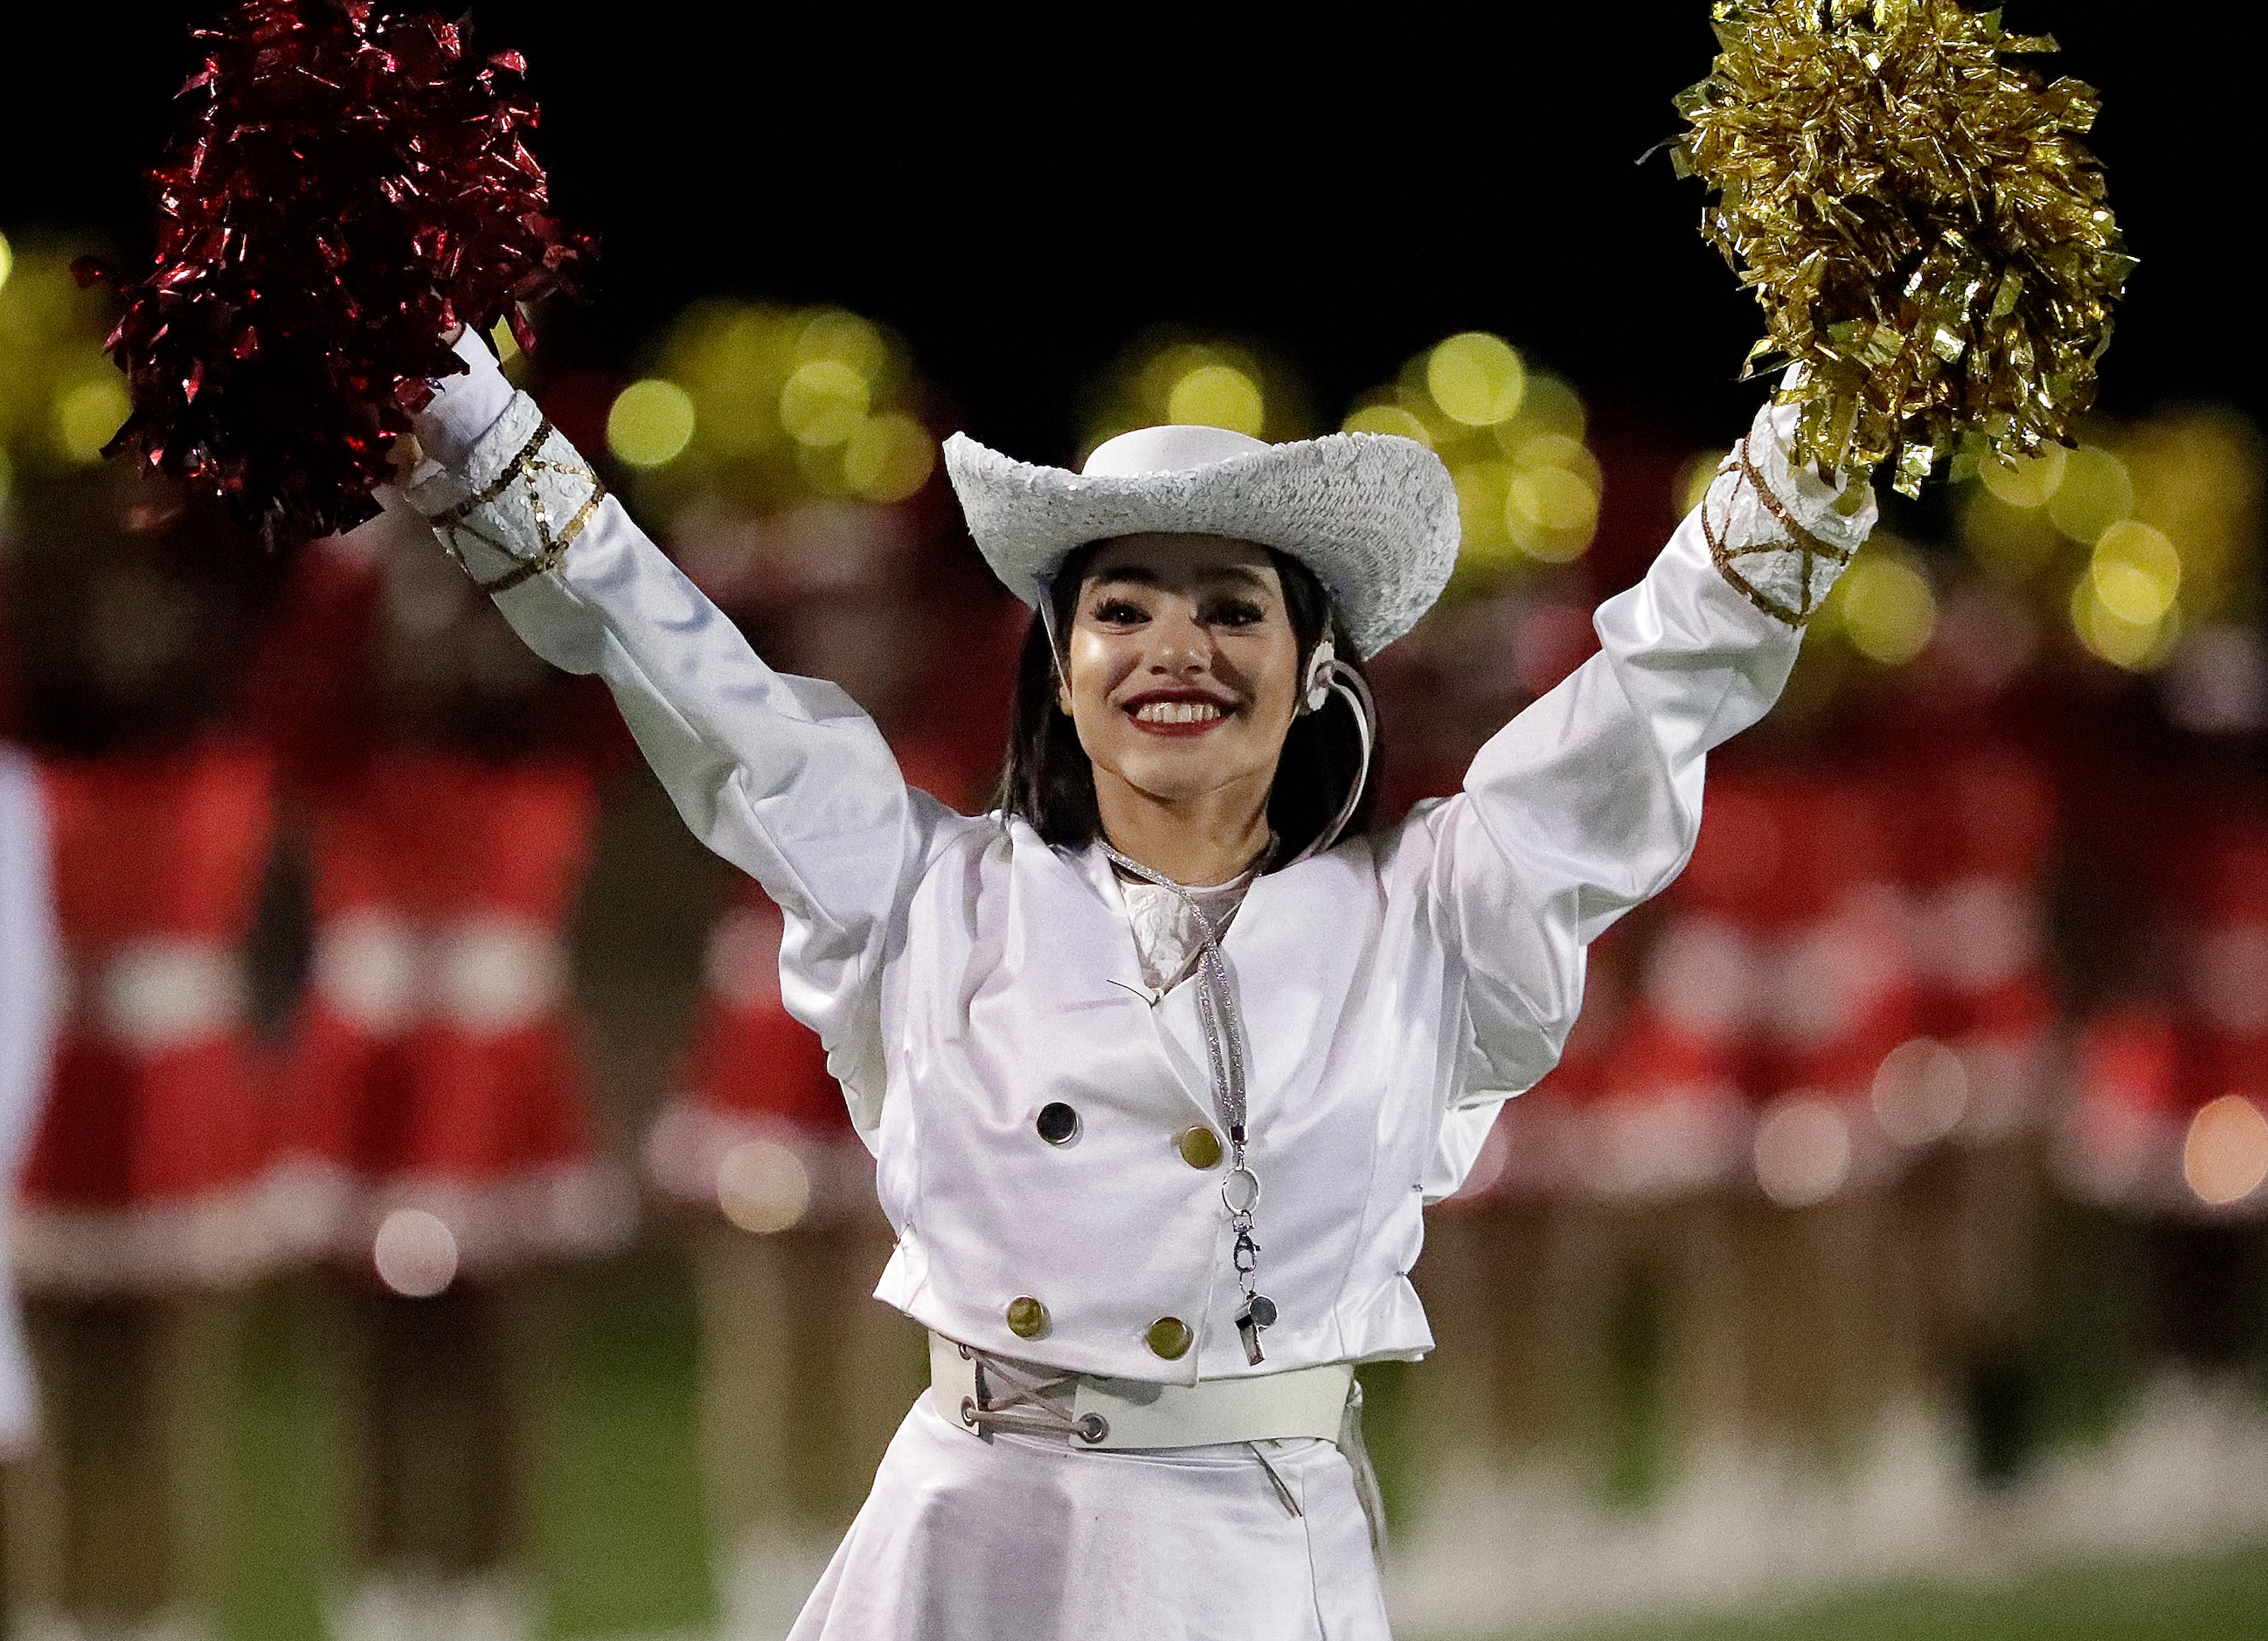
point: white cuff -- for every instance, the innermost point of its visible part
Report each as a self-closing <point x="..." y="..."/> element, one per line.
<point x="1780" y="533"/>
<point x="515" y="502"/>
<point x="463" y="407"/>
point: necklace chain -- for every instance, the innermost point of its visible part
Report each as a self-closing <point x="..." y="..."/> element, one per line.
<point x="1222" y="1025"/>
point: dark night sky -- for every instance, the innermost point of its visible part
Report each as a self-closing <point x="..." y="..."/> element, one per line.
<point x="1020" y="201"/>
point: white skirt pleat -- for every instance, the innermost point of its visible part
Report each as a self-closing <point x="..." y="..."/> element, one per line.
<point x="1012" y="1538"/>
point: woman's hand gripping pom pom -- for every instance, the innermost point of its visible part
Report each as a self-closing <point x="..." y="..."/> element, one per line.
<point x="1917" y="217"/>
<point x="347" y="190"/>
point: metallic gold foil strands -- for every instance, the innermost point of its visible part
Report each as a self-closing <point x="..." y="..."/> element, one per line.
<point x="1919" y="220"/>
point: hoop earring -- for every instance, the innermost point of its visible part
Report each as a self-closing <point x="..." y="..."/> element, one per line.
<point x="1348" y="684"/>
<point x="1323" y="664"/>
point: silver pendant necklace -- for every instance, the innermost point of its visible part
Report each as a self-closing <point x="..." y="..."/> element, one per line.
<point x="1223" y="1028"/>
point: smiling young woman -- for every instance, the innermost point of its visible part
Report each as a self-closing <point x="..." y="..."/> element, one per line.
<point x="1161" y="1059"/>
<point x="1163" y="697"/>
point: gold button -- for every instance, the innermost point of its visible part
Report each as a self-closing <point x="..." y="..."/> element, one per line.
<point x="1027" y="1317"/>
<point x="1169" y="1336"/>
<point x="1200" y="1147"/>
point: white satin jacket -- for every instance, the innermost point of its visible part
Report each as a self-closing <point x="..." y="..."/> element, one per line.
<point x="964" y="974"/>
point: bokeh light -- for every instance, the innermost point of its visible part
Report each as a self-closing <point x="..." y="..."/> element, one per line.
<point x="7" y="260"/>
<point x="1920" y="1092"/>
<point x="1527" y="486"/>
<point x="2014" y="544"/>
<point x="2094" y="493"/>
<point x="415" y="1253"/>
<point x="1477" y="379"/>
<point x="889" y="458"/>
<point x="88" y="412"/>
<point x="650" y="423"/>
<point x="823" y="402"/>
<point x="1695" y="478"/>
<point x="762" y="1186"/>
<point x="1218" y="395"/>
<point x="2144" y="536"/>
<point x="1387" y="418"/>
<point x="2026" y="480"/>
<point x="1175" y="375"/>
<point x="2136" y="572"/>
<point x="2134" y="645"/>
<point x="1885" y="607"/>
<point x="1802" y="1151"/>
<point x="790" y="406"/>
<point x="2225" y="1157"/>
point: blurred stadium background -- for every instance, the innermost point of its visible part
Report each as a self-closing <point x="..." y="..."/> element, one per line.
<point x="429" y="1224"/>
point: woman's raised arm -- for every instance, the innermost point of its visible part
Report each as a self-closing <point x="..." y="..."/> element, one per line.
<point x="1589" y="801"/>
<point x="784" y="776"/>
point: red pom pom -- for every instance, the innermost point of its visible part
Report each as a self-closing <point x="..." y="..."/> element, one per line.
<point x="348" y="188"/>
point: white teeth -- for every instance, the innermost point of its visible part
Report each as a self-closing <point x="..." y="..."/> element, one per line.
<point x="1177" y="711"/>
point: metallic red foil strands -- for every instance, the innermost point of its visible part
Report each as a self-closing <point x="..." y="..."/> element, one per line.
<point x="346" y="188"/>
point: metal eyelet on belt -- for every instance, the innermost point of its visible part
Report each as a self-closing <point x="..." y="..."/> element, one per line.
<point x="1093" y="1428"/>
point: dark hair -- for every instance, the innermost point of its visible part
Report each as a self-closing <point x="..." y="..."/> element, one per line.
<point x="1049" y="781"/>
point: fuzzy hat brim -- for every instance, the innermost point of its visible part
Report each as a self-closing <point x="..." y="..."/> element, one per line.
<point x="1372" y="515"/>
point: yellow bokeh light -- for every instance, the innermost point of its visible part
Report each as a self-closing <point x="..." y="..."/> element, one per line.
<point x="2133" y="645"/>
<point x="650" y="423"/>
<point x="1548" y="406"/>
<point x="2026" y="480"/>
<point x="889" y="458"/>
<point x="1557" y="450"/>
<point x="88" y="412"/>
<point x="2095" y="492"/>
<point x="824" y="403"/>
<point x="2136" y="572"/>
<point x="843" y="338"/>
<point x="2013" y="543"/>
<point x="1387" y="418"/>
<point x="735" y="359"/>
<point x="1527" y="486"/>
<point x="1218" y="395"/>
<point x="1695" y="478"/>
<point x="1551" y="513"/>
<point x="1477" y="379"/>
<point x="2224" y="1158"/>
<point x="1887" y="609"/>
<point x="7" y="261"/>
<point x="1481" y="486"/>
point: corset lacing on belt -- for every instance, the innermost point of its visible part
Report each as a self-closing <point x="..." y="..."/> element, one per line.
<point x="986" y="1396"/>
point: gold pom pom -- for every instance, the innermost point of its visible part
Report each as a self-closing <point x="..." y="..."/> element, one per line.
<point x="1919" y="220"/>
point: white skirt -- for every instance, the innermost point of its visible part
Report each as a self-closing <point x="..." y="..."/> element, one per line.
<point x="968" y="1538"/>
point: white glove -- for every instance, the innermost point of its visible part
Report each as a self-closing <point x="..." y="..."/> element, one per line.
<point x="1783" y="533"/>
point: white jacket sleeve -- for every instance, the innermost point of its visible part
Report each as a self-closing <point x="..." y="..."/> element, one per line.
<point x="784" y="776"/>
<point x="1589" y="801"/>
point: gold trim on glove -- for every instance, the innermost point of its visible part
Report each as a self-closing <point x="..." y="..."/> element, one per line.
<point x="523" y="466"/>
<point x="1799" y="540"/>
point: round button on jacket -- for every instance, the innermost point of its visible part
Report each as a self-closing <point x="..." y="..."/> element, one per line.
<point x="1057" y="1123"/>
<point x="1169" y="1336"/>
<point x="1027" y="1317"/>
<point x="1200" y="1147"/>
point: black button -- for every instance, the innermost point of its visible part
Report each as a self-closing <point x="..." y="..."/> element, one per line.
<point x="1058" y="1123"/>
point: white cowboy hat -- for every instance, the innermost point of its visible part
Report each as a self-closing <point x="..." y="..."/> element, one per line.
<point x="1374" y="516"/>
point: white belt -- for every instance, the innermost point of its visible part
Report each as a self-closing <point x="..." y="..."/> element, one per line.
<point x="983" y="1394"/>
